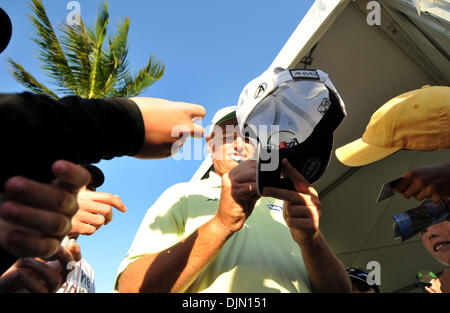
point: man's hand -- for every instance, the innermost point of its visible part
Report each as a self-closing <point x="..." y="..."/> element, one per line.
<point x="445" y="281"/>
<point x="95" y="210"/>
<point x="166" y="124"/>
<point x="238" y="197"/>
<point x="301" y="209"/>
<point x="38" y="276"/>
<point x="428" y="182"/>
<point x="34" y="217"/>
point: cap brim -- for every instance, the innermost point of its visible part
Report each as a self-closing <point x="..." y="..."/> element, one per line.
<point x="359" y="153"/>
<point x="6" y="27"/>
<point x="364" y="281"/>
<point x="358" y="278"/>
<point x="227" y="117"/>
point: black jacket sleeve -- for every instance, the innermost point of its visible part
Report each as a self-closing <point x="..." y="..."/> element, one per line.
<point x="36" y="131"/>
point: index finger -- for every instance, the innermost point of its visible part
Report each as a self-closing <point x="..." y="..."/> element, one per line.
<point x="109" y="199"/>
<point x="73" y="248"/>
<point x="196" y="110"/>
<point x="300" y="183"/>
<point x="403" y="183"/>
<point x="67" y="254"/>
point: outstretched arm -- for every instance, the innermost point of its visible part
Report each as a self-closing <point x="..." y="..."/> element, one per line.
<point x="428" y="182"/>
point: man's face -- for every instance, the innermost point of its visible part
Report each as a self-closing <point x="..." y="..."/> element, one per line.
<point x="226" y="145"/>
<point x="436" y="240"/>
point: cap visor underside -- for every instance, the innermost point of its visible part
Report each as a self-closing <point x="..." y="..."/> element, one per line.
<point x="359" y="153"/>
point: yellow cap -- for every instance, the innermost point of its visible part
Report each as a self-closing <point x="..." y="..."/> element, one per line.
<point x="416" y="120"/>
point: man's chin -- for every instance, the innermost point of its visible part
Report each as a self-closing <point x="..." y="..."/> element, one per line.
<point x="225" y="166"/>
<point x="443" y="259"/>
<point x="446" y="262"/>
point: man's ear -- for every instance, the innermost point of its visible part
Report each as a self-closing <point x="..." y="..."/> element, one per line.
<point x="210" y="144"/>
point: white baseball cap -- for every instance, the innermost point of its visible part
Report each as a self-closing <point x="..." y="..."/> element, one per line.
<point x="222" y="115"/>
<point x="303" y="92"/>
<point x="305" y="107"/>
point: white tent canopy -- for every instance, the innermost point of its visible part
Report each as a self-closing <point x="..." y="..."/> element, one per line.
<point x="370" y="64"/>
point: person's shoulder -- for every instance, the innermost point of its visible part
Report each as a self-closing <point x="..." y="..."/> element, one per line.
<point x="187" y="188"/>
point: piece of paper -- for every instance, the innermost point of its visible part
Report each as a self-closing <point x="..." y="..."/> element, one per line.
<point x="387" y="190"/>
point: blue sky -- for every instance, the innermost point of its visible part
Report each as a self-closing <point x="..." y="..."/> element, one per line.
<point x="211" y="50"/>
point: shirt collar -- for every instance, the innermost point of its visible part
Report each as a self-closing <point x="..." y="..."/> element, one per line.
<point x="214" y="180"/>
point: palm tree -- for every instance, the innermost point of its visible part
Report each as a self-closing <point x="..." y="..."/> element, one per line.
<point x="79" y="64"/>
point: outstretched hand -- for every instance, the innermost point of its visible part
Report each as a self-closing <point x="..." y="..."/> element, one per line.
<point x="95" y="210"/>
<point x="39" y="276"/>
<point x="428" y="182"/>
<point x="167" y="123"/>
<point x="34" y="217"/>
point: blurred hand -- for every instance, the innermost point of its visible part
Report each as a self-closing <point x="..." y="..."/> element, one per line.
<point x="95" y="210"/>
<point x="445" y="281"/>
<point x="34" y="217"/>
<point x="38" y="276"/>
<point x="165" y="123"/>
<point x="428" y="182"/>
<point x="435" y="286"/>
<point x="301" y="208"/>
<point x="238" y="196"/>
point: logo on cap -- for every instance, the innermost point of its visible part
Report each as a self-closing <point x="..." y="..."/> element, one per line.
<point x="305" y="74"/>
<point x="260" y="90"/>
<point x="324" y="106"/>
<point x="282" y="139"/>
<point x="312" y="167"/>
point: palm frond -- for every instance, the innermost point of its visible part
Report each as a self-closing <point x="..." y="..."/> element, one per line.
<point x="133" y="86"/>
<point x="78" y="47"/>
<point x="51" y="53"/>
<point x="116" y="64"/>
<point x="98" y="60"/>
<point x="79" y="64"/>
<point x="119" y="47"/>
<point x="28" y="80"/>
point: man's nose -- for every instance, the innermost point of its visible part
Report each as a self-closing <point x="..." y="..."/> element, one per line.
<point x="239" y="144"/>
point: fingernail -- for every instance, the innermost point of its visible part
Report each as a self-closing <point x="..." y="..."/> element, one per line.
<point x="7" y="209"/>
<point x="63" y="168"/>
<point x="17" y="184"/>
